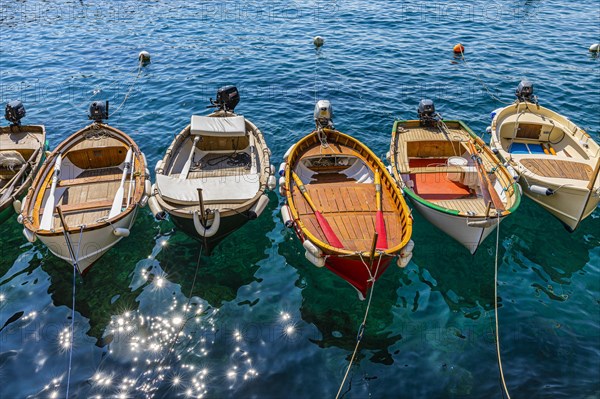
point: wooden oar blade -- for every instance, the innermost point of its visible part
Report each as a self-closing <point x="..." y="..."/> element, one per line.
<point x="381" y="233"/>
<point x="328" y="231"/>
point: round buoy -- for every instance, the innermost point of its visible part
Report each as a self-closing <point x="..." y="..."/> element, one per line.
<point x="318" y="41"/>
<point x="595" y="48"/>
<point x="144" y="56"/>
<point x="459" y="48"/>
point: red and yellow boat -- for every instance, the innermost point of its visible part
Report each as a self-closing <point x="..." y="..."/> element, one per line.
<point x="344" y="205"/>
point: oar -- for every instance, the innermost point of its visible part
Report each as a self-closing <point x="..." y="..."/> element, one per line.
<point x="7" y="192"/>
<point x="188" y="163"/>
<point x="131" y="181"/>
<point x="118" y="201"/>
<point x="48" y="216"/>
<point x="487" y="188"/>
<point x="327" y="230"/>
<point x="379" y="221"/>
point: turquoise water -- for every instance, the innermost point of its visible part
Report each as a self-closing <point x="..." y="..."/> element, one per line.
<point x="262" y="322"/>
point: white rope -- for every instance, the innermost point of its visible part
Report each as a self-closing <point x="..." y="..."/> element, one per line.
<point x="361" y="330"/>
<point x="505" y="389"/>
<point x="75" y="262"/>
<point x="462" y="56"/>
<point x="139" y="72"/>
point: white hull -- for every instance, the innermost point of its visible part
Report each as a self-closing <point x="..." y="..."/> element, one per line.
<point x="566" y="204"/>
<point x="458" y="227"/>
<point x="94" y="243"/>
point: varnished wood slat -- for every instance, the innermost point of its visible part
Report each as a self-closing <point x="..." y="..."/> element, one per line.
<point x="558" y="168"/>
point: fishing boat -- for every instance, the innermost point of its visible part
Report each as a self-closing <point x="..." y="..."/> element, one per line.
<point x="556" y="162"/>
<point x="22" y="150"/>
<point x="213" y="177"/>
<point x="85" y="198"/>
<point x="450" y="175"/>
<point x="344" y="205"/>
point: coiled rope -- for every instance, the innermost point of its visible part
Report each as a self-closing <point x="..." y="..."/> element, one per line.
<point x="361" y="329"/>
<point x="504" y="388"/>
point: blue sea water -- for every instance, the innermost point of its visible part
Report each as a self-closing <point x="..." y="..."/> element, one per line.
<point x="257" y="320"/>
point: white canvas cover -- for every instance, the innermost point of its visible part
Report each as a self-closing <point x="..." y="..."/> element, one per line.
<point x="214" y="126"/>
<point x="214" y="189"/>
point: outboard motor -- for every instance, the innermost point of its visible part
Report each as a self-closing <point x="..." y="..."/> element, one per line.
<point x="524" y="91"/>
<point x="14" y="112"/>
<point x="98" y="111"/>
<point x="426" y="112"/>
<point x="324" y="114"/>
<point x="228" y="98"/>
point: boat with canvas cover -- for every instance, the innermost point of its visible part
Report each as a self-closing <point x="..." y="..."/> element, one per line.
<point x="22" y="150"/>
<point x="556" y="161"/>
<point x="85" y="198"/>
<point x="213" y="177"/>
<point x="344" y="205"/>
<point x="451" y="176"/>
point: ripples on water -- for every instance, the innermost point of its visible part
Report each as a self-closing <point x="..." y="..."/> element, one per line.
<point x="260" y="321"/>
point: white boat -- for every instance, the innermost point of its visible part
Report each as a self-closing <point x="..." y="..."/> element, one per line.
<point x="213" y="177"/>
<point x="451" y="177"/>
<point x="557" y="162"/>
<point x="21" y="154"/>
<point x="85" y="198"/>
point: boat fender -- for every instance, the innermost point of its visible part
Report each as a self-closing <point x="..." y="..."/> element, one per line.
<point x="406" y="254"/>
<point x="20" y="219"/>
<point x="286" y="216"/>
<point x="271" y="182"/>
<point x="388" y="156"/>
<point x="17" y="205"/>
<point x="541" y="190"/>
<point x="148" y="187"/>
<point x="155" y="208"/>
<point x="121" y="232"/>
<point x="403" y="262"/>
<point x="158" y="167"/>
<point x="281" y="171"/>
<point x="258" y="208"/>
<point x="282" y="188"/>
<point x="315" y="260"/>
<point x="312" y="248"/>
<point x="488" y="129"/>
<point x="212" y="227"/>
<point x="287" y="153"/>
<point x="145" y="161"/>
<point x="512" y="171"/>
<point x="30" y="235"/>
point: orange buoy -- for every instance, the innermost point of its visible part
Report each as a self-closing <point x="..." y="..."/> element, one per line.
<point x="459" y="48"/>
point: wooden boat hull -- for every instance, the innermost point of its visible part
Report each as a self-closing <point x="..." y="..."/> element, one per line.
<point x="359" y="202"/>
<point x="557" y="163"/>
<point x="97" y="164"/>
<point x="17" y="136"/>
<point x="567" y="205"/>
<point x="470" y="232"/>
<point x="235" y="191"/>
<point x="436" y="168"/>
<point x="94" y="243"/>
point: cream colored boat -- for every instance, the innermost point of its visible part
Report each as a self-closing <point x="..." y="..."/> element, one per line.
<point x="97" y="178"/>
<point x="213" y="177"/>
<point x="21" y="154"/>
<point x="556" y="161"/>
<point x="451" y="177"/>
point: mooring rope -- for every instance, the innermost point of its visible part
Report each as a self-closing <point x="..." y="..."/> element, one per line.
<point x="361" y="329"/>
<point x="137" y="76"/>
<point x="505" y="389"/>
<point x="485" y="86"/>
<point x="75" y="262"/>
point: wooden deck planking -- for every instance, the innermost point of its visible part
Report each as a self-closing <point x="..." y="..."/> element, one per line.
<point x="350" y="210"/>
<point x="476" y="205"/>
<point x="558" y="168"/>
